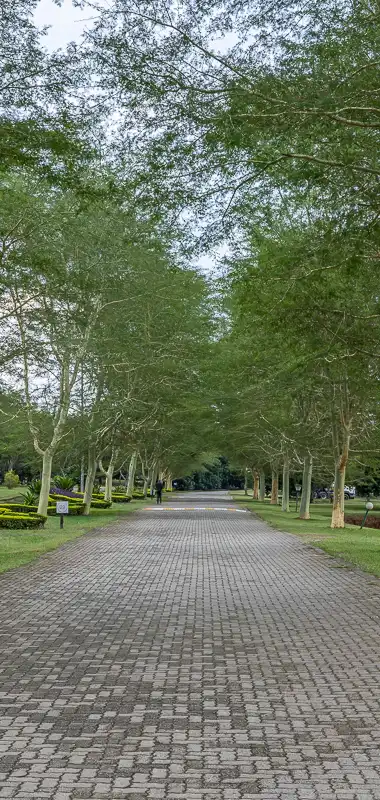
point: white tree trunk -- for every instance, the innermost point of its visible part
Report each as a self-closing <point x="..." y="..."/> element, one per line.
<point x="169" y="482"/>
<point x="341" y="460"/>
<point x="246" y="482"/>
<point x="337" y="519"/>
<point x="82" y="474"/>
<point x="153" y="480"/>
<point x="131" y="473"/>
<point x="285" y="506"/>
<point x="255" y="475"/>
<point x="108" y="487"/>
<point x="262" y="485"/>
<point x="306" y="487"/>
<point x="274" y="492"/>
<point x="90" y="478"/>
<point x="47" y="461"/>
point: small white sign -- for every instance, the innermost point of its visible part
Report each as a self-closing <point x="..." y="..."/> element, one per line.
<point x="62" y="507"/>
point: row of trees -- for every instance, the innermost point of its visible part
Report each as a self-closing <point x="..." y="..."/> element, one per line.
<point x="275" y="143"/>
<point x="105" y="328"/>
<point x="113" y="347"/>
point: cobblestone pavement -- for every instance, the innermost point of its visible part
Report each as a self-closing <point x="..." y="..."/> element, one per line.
<point x="194" y="655"/>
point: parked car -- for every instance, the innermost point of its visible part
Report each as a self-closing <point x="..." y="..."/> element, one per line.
<point x="327" y="493"/>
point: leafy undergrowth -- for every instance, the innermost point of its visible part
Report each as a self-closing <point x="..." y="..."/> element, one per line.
<point x="359" y="547"/>
<point x="20" y="547"/>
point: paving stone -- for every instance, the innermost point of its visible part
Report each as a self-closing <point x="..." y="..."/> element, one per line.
<point x="189" y="654"/>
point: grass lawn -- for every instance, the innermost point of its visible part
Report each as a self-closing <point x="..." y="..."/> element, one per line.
<point x="9" y="494"/>
<point x="360" y="547"/>
<point x="20" y="547"/>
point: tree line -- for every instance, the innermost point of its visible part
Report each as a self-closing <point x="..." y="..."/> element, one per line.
<point x="171" y="131"/>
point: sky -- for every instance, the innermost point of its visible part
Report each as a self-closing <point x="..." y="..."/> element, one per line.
<point x="67" y="23"/>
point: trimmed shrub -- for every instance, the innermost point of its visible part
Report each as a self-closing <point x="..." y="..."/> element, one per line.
<point x="54" y="495"/>
<point x="76" y="497"/>
<point x="75" y="509"/>
<point x="21" y="521"/>
<point x="101" y="504"/>
<point x="19" y="508"/>
<point x="65" y="494"/>
<point x="11" y="479"/>
<point x="121" y="498"/>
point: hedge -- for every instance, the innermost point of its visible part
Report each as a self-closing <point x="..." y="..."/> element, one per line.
<point x="79" y="501"/>
<point x="121" y="498"/>
<point x="19" y="508"/>
<point x="75" y="509"/>
<point x="20" y="521"/>
<point x="101" y="503"/>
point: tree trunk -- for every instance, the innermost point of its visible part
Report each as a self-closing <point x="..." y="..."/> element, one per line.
<point x="146" y="484"/>
<point x="306" y="487"/>
<point x="255" y="484"/>
<point x="274" y="492"/>
<point x="153" y="480"/>
<point x="337" y="519"/>
<point x="169" y="482"/>
<point x="108" y="488"/>
<point x="246" y="482"/>
<point x="47" y="461"/>
<point x="341" y="437"/>
<point x="90" y="478"/>
<point x="285" y="485"/>
<point x="262" y="486"/>
<point x="131" y="473"/>
<point x="82" y="474"/>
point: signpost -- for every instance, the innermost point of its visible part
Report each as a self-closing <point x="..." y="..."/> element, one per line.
<point x="62" y="508"/>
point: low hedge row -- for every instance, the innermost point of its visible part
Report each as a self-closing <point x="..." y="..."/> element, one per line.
<point x="79" y="501"/>
<point x="20" y="521"/>
<point x="117" y="497"/>
<point x="75" y="509"/>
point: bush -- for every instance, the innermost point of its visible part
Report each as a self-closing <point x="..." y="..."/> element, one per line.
<point x="64" y="482"/>
<point x="19" y="508"/>
<point x="101" y="504"/>
<point x="30" y="497"/>
<point x="62" y="496"/>
<point x="35" y="486"/>
<point x="75" y="509"/>
<point x="121" y="498"/>
<point x="11" y="479"/>
<point x="76" y="497"/>
<point x="21" y="521"/>
<point x="65" y="494"/>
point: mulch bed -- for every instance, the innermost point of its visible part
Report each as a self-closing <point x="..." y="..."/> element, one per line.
<point x="356" y="519"/>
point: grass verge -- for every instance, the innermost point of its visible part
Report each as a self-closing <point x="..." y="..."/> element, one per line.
<point x="21" y="547"/>
<point x="359" y="547"/>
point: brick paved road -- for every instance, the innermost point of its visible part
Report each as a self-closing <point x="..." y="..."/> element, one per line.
<point x="192" y="655"/>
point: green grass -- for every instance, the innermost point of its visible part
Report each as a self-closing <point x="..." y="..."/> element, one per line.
<point x="10" y="494"/>
<point x="359" y="547"/>
<point x="20" y="547"/>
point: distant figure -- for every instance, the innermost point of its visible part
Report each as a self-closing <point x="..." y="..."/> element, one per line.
<point x="159" y="488"/>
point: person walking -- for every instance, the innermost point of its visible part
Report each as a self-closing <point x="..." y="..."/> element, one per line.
<point x="159" y="488"/>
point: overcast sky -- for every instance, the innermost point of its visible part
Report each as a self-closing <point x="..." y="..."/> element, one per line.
<point x="67" y="22"/>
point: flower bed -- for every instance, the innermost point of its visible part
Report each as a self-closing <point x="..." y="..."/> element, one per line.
<point x="76" y="497"/>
